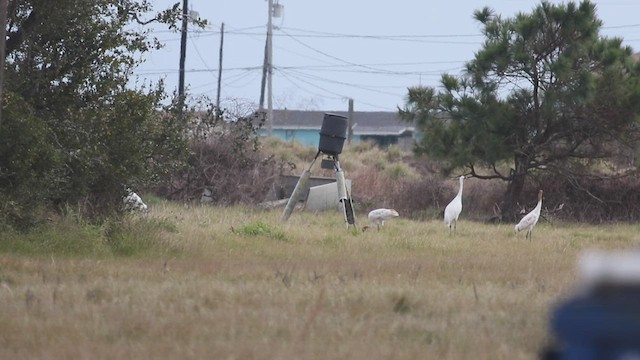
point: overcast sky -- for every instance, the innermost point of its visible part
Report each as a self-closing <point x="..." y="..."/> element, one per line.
<point x="325" y="52"/>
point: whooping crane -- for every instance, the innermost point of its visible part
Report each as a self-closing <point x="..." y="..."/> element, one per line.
<point x="453" y="210"/>
<point x="531" y="219"/>
<point x="378" y="216"/>
<point x="133" y="201"/>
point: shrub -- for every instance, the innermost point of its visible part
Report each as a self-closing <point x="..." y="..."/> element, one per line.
<point x="67" y="237"/>
<point x="224" y="162"/>
<point x="136" y="236"/>
<point x="591" y="199"/>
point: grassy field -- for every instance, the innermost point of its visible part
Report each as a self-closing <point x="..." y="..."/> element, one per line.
<point x="236" y="283"/>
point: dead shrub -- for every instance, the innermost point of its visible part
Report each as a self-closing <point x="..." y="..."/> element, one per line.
<point x="225" y="166"/>
<point x="591" y="199"/>
<point x="371" y="190"/>
<point x="423" y="198"/>
<point x="482" y="198"/>
<point x="412" y="196"/>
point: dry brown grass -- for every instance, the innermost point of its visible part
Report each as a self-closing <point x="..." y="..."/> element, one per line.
<point x="247" y="286"/>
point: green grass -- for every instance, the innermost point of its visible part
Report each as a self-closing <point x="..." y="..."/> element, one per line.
<point x="134" y="236"/>
<point x="259" y="228"/>
<point x="66" y="238"/>
<point x="233" y="282"/>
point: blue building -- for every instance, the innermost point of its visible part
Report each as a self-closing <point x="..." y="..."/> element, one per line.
<point x="383" y="128"/>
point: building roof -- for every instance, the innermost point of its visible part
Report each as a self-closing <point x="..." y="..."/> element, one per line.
<point x="364" y="122"/>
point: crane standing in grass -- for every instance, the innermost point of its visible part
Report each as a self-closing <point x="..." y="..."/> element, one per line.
<point x="453" y="210"/>
<point x="378" y="216"/>
<point x="133" y="201"/>
<point x="531" y="219"/>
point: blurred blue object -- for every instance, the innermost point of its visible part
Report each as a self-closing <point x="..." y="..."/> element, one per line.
<point x="599" y="326"/>
<point x="603" y="321"/>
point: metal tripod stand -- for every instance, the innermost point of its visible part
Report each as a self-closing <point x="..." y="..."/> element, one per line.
<point x="331" y="161"/>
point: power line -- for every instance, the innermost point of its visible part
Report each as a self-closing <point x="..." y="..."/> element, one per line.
<point x="296" y="84"/>
<point x="361" y="87"/>
<point x="167" y="71"/>
<point x="620" y="26"/>
<point x="341" y="96"/>
<point x="210" y="87"/>
<point x="378" y="72"/>
<point x="195" y="47"/>
<point x="330" y="56"/>
<point x="305" y="67"/>
<point x="416" y="38"/>
<point x="345" y="63"/>
<point x="385" y="64"/>
<point x="320" y="34"/>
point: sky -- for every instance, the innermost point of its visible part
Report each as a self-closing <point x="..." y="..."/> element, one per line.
<point x="327" y="52"/>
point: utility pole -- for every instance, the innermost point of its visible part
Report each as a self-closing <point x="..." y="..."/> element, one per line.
<point x="270" y="70"/>
<point x="220" y="67"/>
<point x="263" y="83"/>
<point x="3" y="49"/>
<point x="275" y="10"/>
<point x="350" y="122"/>
<point x="183" y="53"/>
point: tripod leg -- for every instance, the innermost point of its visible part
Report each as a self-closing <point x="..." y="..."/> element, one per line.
<point x="301" y="187"/>
<point x="343" y="197"/>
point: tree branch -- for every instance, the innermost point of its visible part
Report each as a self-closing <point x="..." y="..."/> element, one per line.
<point x="497" y="175"/>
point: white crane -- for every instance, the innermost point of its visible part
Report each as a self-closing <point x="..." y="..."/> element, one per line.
<point x="453" y="210"/>
<point x="531" y="219"/>
<point x="133" y="201"/>
<point x="378" y="216"/>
